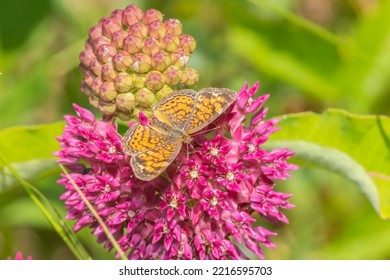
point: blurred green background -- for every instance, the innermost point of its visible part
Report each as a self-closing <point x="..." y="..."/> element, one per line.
<point x="309" y="54"/>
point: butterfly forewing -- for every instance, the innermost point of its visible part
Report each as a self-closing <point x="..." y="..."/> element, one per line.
<point x="176" y="108"/>
<point x="140" y="138"/>
<point x="210" y="104"/>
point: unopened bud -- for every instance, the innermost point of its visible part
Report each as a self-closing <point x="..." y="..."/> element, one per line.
<point x="132" y="14"/>
<point x="156" y="29"/>
<point x="132" y="44"/>
<point x="96" y="83"/>
<point x="122" y="61"/>
<point x="189" y="77"/>
<point x="107" y="108"/>
<point x="173" y="26"/>
<point x="170" y="42"/>
<point x="187" y="43"/>
<point x="152" y="15"/>
<point x="96" y="43"/>
<point x="86" y="56"/>
<point x="154" y="80"/>
<point x="138" y="80"/>
<point x="105" y="53"/>
<point x="161" y="60"/>
<point x="166" y="90"/>
<point x="96" y="67"/>
<point x="172" y="75"/>
<point x="180" y="58"/>
<point x="110" y="26"/>
<point x="107" y="91"/>
<point x="95" y="31"/>
<point x="118" y="37"/>
<point x="145" y="98"/>
<point x="125" y="101"/>
<point x="139" y="30"/>
<point x="108" y="72"/>
<point x="141" y="63"/>
<point x="123" y="82"/>
<point x="150" y="46"/>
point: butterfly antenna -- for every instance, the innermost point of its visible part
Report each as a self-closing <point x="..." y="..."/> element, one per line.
<point x="206" y="131"/>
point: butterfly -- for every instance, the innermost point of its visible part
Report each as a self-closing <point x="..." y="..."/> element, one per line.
<point x="177" y="116"/>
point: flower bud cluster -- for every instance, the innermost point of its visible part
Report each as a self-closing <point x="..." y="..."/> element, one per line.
<point x="132" y="59"/>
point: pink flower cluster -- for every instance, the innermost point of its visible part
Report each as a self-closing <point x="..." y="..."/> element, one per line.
<point x="206" y="204"/>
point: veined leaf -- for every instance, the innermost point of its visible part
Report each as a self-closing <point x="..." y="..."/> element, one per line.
<point x="355" y="146"/>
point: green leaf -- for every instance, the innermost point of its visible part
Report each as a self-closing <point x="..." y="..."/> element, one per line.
<point x="354" y="146"/>
<point x="50" y="212"/>
<point x="25" y="143"/>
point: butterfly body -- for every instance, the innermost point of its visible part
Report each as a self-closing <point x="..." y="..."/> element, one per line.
<point x="178" y="116"/>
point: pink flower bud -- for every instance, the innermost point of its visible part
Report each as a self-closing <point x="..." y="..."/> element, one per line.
<point x="187" y="43"/>
<point x="95" y="31"/>
<point x="96" y="83"/>
<point x="108" y="72"/>
<point x="132" y="44"/>
<point x="131" y="15"/>
<point x="150" y="46"/>
<point x="152" y="15"/>
<point x="180" y="58"/>
<point x="122" y="61"/>
<point x="118" y="37"/>
<point x="138" y="80"/>
<point x="139" y="30"/>
<point x="161" y="60"/>
<point x="110" y="26"/>
<point x="105" y="53"/>
<point x="154" y="80"/>
<point x="172" y="75"/>
<point x="86" y="56"/>
<point x="97" y="42"/>
<point x="96" y="67"/>
<point x="173" y="26"/>
<point x="156" y="29"/>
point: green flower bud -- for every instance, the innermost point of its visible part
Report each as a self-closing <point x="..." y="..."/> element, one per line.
<point x="166" y="90"/>
<point x="190" y="77"/>
<point x="123" y="82"/>
<point x="170" y="42"/>
<point x="142" y="63"/>
<point x="107" y="91"/>
<point x="145" y="98"/>
<point x="107" y="108"/>
<point x="173" y="75"/>
<point x="125" y="102"/>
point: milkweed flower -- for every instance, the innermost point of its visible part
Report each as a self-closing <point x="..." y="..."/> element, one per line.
<point x="19" y="257"/>
<point x="206" y="204"/>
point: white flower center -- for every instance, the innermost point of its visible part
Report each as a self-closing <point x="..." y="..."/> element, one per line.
<point x="214" y="201"/>
<point x="131" y="213"/>
<point x="194" y="174"/>
<point x="214" y="151"/>
<point x="230" y="176"/>
<point x="251" y="148"/>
